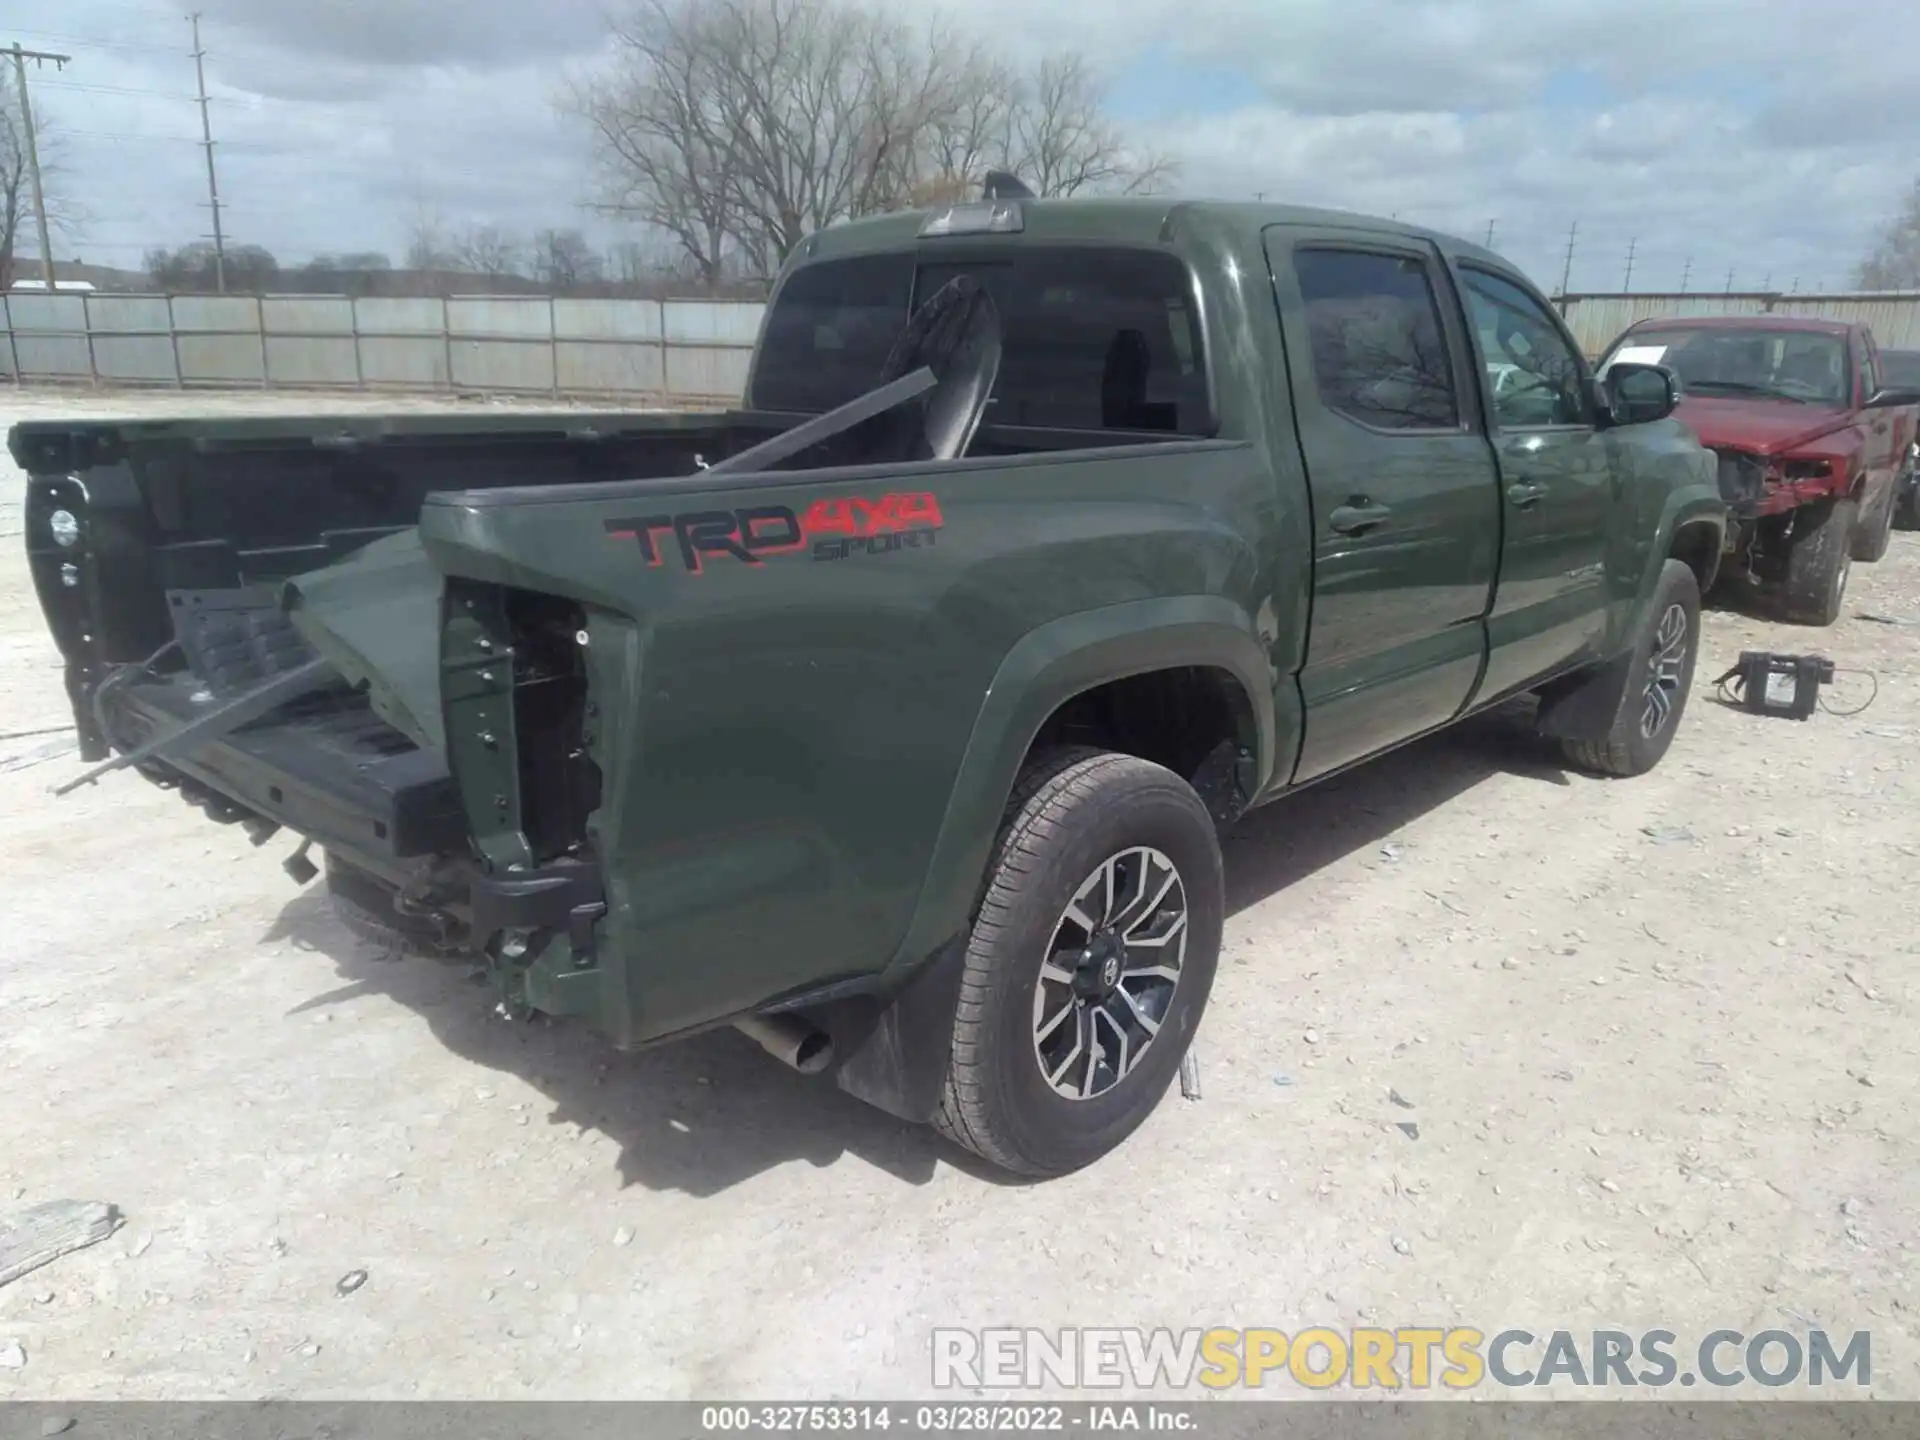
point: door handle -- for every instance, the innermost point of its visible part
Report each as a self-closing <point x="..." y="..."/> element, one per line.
<point x="1357" y="517"/>
<point x="1525" y="494"/>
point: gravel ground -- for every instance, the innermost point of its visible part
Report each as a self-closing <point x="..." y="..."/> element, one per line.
<point x="1655" y="1040"/>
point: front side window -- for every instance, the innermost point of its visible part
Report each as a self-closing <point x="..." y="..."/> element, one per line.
<point x="1379" y="352"/>
<point x="1533" y="374"/>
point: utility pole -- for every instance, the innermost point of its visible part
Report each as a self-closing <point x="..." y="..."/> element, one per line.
<point x="1686" y="274"/>
<point x="1729" y="289"/>
<point x="1626" y="285"/>
<point x="206" y="141"/>
<point x="1566" y="274"/>
<point x="1490" y="224"/>
<point x="59" y="62"/>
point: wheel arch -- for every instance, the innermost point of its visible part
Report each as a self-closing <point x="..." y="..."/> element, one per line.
<point x="1692" y="529"/>
<point x="1697" y="543"/>
<point x="1071" y="662"/>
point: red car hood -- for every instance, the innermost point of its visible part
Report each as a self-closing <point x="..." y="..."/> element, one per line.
<point x="1764" y="427"/>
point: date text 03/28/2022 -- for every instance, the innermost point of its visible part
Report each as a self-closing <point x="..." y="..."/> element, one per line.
<point x="942" y="1418"/>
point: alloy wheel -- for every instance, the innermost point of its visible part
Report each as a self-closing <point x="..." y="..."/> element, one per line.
<point x="1665" y="667"/>
<point x="1110" y="972"/>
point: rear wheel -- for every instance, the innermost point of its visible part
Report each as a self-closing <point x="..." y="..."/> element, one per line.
<point x="1660" y="680"/>
<point x="1819" y="562"/>
<point x="1089" y="964"/>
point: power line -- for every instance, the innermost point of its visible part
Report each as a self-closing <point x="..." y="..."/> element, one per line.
<point x="83" y="42"/>
<point x="138" y="246"/>
<point x="279" y="152"/>
<point x="250" y="150"/>
<point x="125" y="7"/>
<point x="117" y="90"/>
<point x="67" y="134"/>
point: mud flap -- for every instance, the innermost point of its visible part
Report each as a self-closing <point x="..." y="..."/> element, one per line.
<point x="895" y="1057"/>
<point x="1583" y="706"/>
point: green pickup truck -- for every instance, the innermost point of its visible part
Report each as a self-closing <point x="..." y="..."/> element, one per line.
<point x="892" y="716"/>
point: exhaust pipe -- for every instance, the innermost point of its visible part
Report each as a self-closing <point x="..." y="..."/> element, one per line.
<point x="790" y="1041"/>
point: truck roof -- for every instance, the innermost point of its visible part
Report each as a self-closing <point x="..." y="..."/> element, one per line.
<point x="1142" y="220"/>
<point x="1745" y="322"/>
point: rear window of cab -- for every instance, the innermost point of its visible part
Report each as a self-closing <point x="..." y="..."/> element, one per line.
<point x="1092" y="339"/>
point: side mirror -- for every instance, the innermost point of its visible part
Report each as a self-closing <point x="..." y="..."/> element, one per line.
<point x="1892" y="396"/>
<point x="1639" y="394"/>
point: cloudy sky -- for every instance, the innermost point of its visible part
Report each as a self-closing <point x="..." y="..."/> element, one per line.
<point x="1766" y="137"/>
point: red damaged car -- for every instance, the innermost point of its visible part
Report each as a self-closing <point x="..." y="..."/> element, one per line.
<point x="1812" y="440"/>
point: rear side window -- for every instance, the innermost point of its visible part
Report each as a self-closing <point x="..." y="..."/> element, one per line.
<point x="1379" y="352"/>
<point x="1092" y="339"/>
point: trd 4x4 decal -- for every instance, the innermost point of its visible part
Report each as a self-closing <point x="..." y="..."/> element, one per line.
<point x="833" y="529"/>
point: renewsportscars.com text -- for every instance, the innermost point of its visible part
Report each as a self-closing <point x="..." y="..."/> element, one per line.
<point x="1404" y="1358"/>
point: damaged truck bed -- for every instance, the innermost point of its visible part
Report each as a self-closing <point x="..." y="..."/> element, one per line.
<point x="892" y="717"/>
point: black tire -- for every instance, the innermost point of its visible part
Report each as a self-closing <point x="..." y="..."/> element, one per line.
<point x="1073" y="813"/>
<point x="364" y="904"/>
<point x="1819" y="561"/>
<point x="1643" y="727"/>
<point x="1875" y="531"/>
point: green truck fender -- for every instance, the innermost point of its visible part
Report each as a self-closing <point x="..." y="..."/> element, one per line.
<point x="897" y="1058"/>
<point x="1691" y="528"/>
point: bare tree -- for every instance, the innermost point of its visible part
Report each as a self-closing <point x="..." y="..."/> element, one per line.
<point x="1062" y="142"/>
<point x="564" y="261"/>
<point x="1894" y="262"/>
<point x="487" y="250"/>
<point x="739" y="126"/>
<point x="16" y="185"/>
<point x="427" y="245"/>
<point x="15" y="190"/>
<point x="818" y="107"/>
<point x="190" y="270"/>
<point x="970" y="135"/>
<point x="658" y="133"/>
